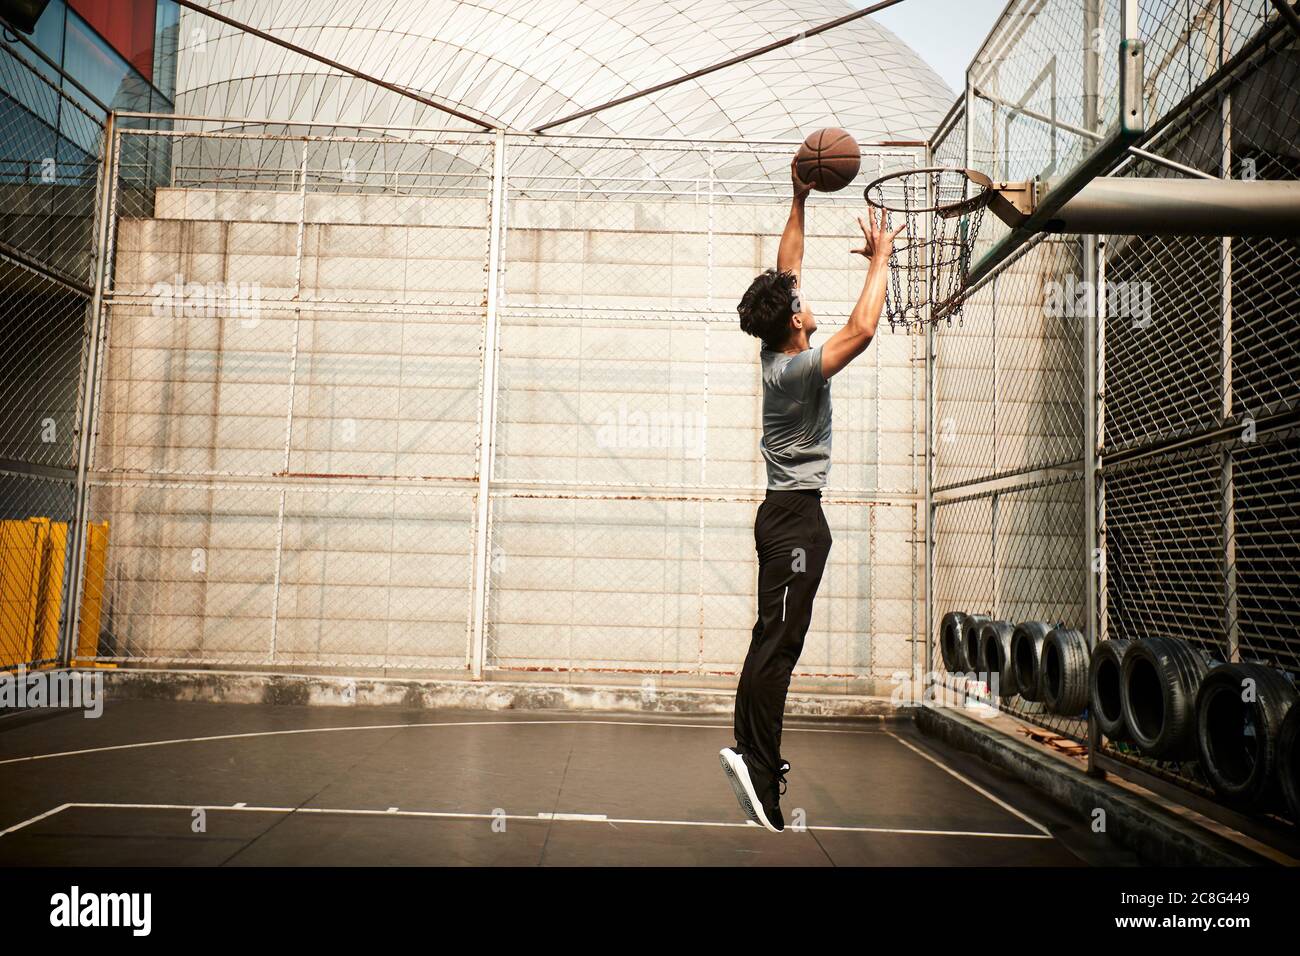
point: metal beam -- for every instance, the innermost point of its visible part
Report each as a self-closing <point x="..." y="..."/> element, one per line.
<point x="332" y="64"/>
<point x="1181" y="207"/>
<point x="1288" y="14"/>
<point x="730" y="61"/>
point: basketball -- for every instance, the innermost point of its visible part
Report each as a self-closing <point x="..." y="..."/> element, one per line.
<point x="828" y="159"/>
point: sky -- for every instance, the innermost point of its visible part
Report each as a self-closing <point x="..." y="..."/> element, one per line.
<point x="946" y="33"/>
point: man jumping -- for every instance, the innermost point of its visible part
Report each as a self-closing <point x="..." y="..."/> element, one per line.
<point x="790" y="532"/>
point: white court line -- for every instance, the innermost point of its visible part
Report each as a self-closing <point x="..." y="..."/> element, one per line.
<point x="36" y="819"/>
<point x="460" y="723"/>
<point x="974" y="786"/>
<point x="533" y="723"/>
<point x="550" y="817"/>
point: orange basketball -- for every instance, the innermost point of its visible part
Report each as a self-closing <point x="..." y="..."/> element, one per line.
<point x="828" y="159"/>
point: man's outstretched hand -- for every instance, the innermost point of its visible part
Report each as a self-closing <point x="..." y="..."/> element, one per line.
<point x="801" y="188"/>
<point x="877" y="241"/>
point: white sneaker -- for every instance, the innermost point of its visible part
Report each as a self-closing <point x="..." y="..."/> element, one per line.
<point x="733" y="765"/>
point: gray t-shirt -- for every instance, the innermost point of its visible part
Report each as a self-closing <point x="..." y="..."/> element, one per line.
<point x="796" y="419"/>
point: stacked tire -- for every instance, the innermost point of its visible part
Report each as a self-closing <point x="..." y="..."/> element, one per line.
<point x="1160" y="679"/>
<point x="1105" y="688"/>
<point x="1240" y="712"/>
<point x="1239" y="721"/>
<point x="995" y="652"/>
<point x="1161" y="695"/>
<point x="1041" y="663"/>
<point x="1026" y="657"/>
<point x="955" y="632"/>
<point x="1063" y="671"/>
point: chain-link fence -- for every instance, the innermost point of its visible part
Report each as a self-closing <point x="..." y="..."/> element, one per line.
<point x="287" y="421"/>
<point x="1195" y="534"/>
<point x="625" y="479"/>
<point x="1007" y="450"/>
<point x="445" y="401"/>
<point x="1201" y="383"/>
<point x="50" y="145"/>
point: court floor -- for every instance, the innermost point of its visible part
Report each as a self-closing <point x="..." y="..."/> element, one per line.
<point x="165" y="783"/>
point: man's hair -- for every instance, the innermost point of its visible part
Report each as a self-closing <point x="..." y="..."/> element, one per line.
<point x="766" y="307"/>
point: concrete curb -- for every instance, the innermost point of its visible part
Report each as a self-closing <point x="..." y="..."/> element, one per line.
<point x="417" y="694"/>
<point x="1158" y="837"/>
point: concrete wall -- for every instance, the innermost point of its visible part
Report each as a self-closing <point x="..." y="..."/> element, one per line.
<point x="295" y="483"/>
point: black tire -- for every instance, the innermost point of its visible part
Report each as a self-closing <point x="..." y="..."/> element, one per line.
<point x="949" y="628"/>
<point x="952" y="639"/>
<point x="1239" y="739"/>
<point x="1289" y="761"/>
<point x="1104" y="688"/>
<point x="1160" y="678"/>
<point x="972" y="649"/>
<point x="995" y="653"/>
<point x="1063" y="669"/>
<point x="1026" y="654"/>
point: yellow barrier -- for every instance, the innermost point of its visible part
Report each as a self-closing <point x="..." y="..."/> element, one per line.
<point x="32" y="559"/>
<point x="20" y="552"/>
<point x="92" y="589"/>
<point x="52" y="542"/>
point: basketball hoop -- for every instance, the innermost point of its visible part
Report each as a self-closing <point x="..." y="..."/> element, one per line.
<point x="943" y="208"/>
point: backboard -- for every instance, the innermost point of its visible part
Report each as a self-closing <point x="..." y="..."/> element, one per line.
<point x="1053" y="98"/>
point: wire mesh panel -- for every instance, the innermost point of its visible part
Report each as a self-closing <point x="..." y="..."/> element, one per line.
<point x="322" y="574"/>
<point x="1200" y="378"/>
<point x="1264" y="599"/>
<point x="292" y="406"/>
<point x="1006" y="457"/>
<point x="1013" y="555"/>
<point x="1008" y="379"/>
<point x="34" y="521"/>
<point x="659" y="585"/>
<point x="42" y="322"/>
<point x="41" y="328"/>
<point x="1197" y="377"/>
<point x="1042" y="93"/>
<point x="1187" y="42"/>
<point x="49" y="162"/>
<point x="289" y="413"/>
<point x="629" y="416"/>
<point x="1164" y="551"/>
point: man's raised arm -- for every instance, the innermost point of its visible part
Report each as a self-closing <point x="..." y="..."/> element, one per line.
<point x="789" y="255"/>
<point x="852" y="340"/>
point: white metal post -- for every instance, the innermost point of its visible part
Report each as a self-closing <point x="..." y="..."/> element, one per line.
<point x="1094" y="271"/>
<point x="929" y="496"/>
<point x="927" y="426"/>
<point x="74" y="563"/>
<point x="1227" y="470"/>
<point x="482" y="539"/>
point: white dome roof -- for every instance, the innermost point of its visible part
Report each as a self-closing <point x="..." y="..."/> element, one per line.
<point x="520" y="63"/>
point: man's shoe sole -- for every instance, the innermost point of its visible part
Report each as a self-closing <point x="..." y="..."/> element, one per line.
<point x="733" y="765"/>
<point x="737" y="787"/>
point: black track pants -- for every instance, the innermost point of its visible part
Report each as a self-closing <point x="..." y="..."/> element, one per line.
<point x="792" y="540"/>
